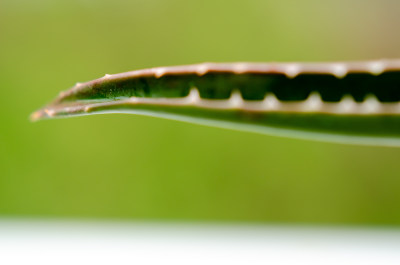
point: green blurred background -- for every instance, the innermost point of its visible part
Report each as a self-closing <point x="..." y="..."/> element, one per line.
<point x="142" y="168"/>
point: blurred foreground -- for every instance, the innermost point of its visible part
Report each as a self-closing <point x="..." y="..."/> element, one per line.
<point x="44" y="242"/>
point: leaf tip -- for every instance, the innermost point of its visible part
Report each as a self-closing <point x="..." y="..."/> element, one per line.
<point x="41" y="114"/>
<point x="37" y="115"/>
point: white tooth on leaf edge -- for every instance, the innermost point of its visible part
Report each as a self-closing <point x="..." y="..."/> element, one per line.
<point x="292" y="70"/>
<point x="313" y="102"/>
<point x="194" y="96"/>
<point x="202" y="69"/>
<point x="347" y="105"/>
<point x="339" y="70"/>
<point x="376" y="68"/>
<point x="240" y="68"/>
<point x="371" y="104"/>
<point x="236" y="100"/>
<point x="271" y="102"/>
<point x="159" y="72"/>
<point x="133" y="99"/>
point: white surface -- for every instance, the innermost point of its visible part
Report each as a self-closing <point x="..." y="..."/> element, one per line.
<point x="45" y="242"/>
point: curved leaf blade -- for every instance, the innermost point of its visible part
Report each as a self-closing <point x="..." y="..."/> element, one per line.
<point x="339" y="102"/>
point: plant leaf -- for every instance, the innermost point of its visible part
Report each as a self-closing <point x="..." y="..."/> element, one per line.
<point x="355" y="102"/>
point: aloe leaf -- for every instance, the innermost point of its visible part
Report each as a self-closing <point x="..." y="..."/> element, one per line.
<point x="355" y="102"/>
